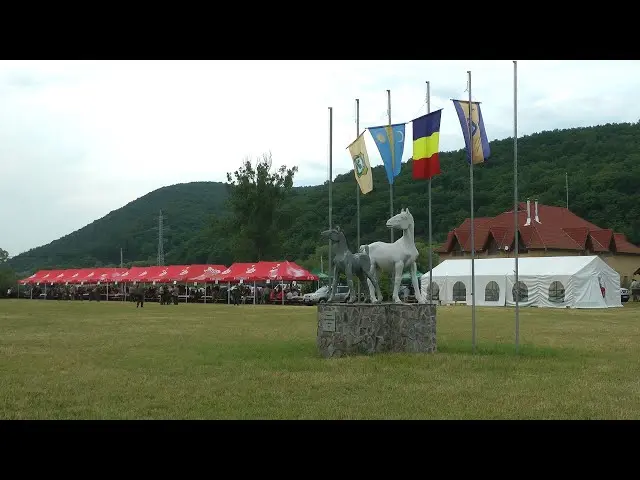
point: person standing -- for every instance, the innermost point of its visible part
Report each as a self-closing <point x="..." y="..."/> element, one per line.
<point x="635" y="290"/>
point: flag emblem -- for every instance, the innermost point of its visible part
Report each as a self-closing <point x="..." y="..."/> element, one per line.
<point x="477" y="146"/>
<point x="390" y="142"/>
<point x="474" y="128"/>
<point x="361" y="168"/>
<point x="361" y="165"/>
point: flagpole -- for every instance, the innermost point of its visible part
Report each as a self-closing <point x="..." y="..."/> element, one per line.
<point x="473" y="246"/>
<point x="515" y="195"/>
<point x="358" y="188"/>
<point x="566" y="186"/>
<point x="330" y="185"/>
<point x="430" y="289"/>
<point x="392" y="149"/>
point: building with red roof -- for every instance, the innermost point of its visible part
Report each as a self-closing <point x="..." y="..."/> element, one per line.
<point x="543" y="230"/>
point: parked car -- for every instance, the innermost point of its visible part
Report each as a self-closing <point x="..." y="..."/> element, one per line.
<point x="624" y="295"/>
<point x="322" y="295"/>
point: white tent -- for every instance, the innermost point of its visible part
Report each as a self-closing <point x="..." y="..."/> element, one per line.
<point x="560" y="282"/>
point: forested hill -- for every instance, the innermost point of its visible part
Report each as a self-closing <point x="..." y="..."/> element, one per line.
<point x="186" y="209"/>
<point x="603" y="165"/>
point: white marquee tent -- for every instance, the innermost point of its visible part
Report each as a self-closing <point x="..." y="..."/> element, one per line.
<point x="560" y="282"/>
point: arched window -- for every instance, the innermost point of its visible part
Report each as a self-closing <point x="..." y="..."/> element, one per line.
<point x="459" y="292"/>
<point x="556" y="292"/>
<point x="524" y="292"/>
<point x="433" y="291"/>
<point x="492" y="292"/>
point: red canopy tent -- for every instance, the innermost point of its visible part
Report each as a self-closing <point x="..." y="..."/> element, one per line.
<point x="48" y="277"/>
<point x="88" y="275"/>
<point x="239" y="271"/>
<point x="172" y="273"/>
<point x="110" y="275"/>
<point x="65" y="275"/>
<point x="117" y="274"/>
<point x="141" y="274"/>
<point x="34" y="278"/>
<point x="289" y="271"/>
<point x="205" y="273"/>
<point x="263" y="271"/>
<point x="129" y="274"/>
<point x="74" y="276"/>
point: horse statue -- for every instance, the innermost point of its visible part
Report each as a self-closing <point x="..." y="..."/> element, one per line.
<point x="350" y="264"/>
<point x="395" y="257"/>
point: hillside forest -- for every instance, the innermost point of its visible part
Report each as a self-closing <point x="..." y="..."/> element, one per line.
<point x="258" y="214"/>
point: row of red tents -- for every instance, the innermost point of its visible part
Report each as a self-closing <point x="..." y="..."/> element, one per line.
<point x="245" y="272"/>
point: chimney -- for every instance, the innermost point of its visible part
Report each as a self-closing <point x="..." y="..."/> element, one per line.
<point x="528" y="213"/>
<point x="537" y="217"/>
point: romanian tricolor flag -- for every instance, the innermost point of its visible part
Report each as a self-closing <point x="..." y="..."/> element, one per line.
<point x="426" y="145"/>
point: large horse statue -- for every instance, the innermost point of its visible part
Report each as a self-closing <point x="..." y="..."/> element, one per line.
<point x="394" y="257"/>
<point x="351" y="264"/>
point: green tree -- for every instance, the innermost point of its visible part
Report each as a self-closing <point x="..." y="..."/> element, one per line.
<point x="423" y="256"/>
<point x="256" y="194"/>
<point x="318" y="260"/>
<point x="8" y="278"/>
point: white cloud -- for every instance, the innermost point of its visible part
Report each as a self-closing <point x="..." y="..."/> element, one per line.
<point x="76" y="136"/>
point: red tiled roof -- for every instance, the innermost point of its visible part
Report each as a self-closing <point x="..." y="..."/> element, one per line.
<point x="578" y="235"/>
<point x="557" y="229"/>
<point x="623" y="245"/>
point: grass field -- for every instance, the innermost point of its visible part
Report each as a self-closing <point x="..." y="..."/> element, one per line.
<point x="81" y="360"/>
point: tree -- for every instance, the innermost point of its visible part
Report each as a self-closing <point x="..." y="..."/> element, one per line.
<point x="8" y="277"/>
<point x="255" y="196"/>
<point x="423" y="256"/>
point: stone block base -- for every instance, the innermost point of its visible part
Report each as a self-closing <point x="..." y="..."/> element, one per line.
<point x="365" y="328"/>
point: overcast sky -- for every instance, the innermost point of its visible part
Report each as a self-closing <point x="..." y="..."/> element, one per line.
<point x="79" y="139"/>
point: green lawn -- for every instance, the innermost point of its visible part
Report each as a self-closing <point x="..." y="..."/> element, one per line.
<point x="82" y="360"/>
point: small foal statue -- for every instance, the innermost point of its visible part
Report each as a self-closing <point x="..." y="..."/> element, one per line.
<point x="350" y="264"/>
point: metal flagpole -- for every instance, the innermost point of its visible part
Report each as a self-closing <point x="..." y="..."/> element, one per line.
<point x="392" y="149"/>
<point x="330" y="185"/>
<point x="430" y="289"/>
<point x="358" y="189"/>
<point x="515" y="195"/>
<point x="473" y="246"/>
<point x="566" y="186"/>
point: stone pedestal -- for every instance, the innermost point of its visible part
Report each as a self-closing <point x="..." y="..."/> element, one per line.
<point x="365" y="329"/>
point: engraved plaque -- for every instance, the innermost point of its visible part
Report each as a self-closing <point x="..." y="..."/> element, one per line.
<point x="328" y="321"/>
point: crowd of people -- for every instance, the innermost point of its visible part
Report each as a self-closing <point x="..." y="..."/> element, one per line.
<point x="165" y="294"/>
<point x="265" y="294"/>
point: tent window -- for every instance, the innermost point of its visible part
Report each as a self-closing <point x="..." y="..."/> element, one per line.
<point x="459" y="292"/>
<point x="524" y="292"/>
<point x="435" y="294"/>
<point x="492" y="292"/>
<point x="556" y="292"/>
